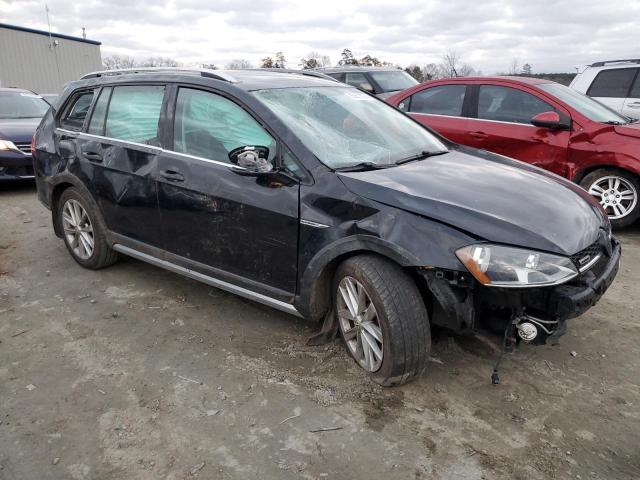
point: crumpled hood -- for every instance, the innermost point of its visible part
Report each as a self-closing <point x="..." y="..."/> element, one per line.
<point x="630" y="130"/>
<point x="488" y="196"/>
<point x="18" y="130"/>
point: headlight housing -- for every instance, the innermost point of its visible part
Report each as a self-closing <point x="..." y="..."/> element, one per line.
<point x="501" y="266"/>
<point x="7" y="145"/>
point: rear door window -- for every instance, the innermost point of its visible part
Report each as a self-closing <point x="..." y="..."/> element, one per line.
<point x="75" y="115"/>
<point x="134" y="113"/>
<point x="210" y="126"/>
<point x="96" y="125"/>
<point x="613" y="83"/>
<point x="505" y="104"/>
<point x="442" y="100"/>
<point x="358" y="80"/>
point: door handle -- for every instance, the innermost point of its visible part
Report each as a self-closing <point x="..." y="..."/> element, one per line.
<point x="479" y="135"/>
<point x="634" y="105"/>
<point x="92" y="156"/>
<point x="172" y="175"/>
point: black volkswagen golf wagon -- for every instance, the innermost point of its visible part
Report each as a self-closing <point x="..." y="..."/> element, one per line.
<point x="322" y="201"/>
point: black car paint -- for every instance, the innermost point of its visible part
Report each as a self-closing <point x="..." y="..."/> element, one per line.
<point x="280" y="236"/>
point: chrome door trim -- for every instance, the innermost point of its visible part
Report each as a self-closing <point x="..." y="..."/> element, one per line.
<point x="313" y="224"/>
<point x="214" y="282"/>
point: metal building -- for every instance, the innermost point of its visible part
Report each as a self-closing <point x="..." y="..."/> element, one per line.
<point x="43" y="62"/>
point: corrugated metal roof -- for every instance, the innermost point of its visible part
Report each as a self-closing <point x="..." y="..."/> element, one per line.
<point x="54" y="35"/>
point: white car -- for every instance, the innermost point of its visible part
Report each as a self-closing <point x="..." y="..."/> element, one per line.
<point x="615" y="83"/>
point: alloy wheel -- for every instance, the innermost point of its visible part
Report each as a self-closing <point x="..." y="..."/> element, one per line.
<point x="359" y="324"/>
<point x="617" y="195"/>
<point x="78" y="230"/>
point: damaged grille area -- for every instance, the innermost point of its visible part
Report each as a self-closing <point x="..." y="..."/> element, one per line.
<point x="587" y="257"/>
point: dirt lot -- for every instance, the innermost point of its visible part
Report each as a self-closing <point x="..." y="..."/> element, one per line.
<point x="133" y="372"/>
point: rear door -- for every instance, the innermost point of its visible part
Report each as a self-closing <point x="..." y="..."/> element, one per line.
<point x="502" y="124"/>
<point x="442" y="108"/>
<point x="632" y="103"/>
<point x="122" y="146"/>
<point x="612" y="87"/>
<point x="213" y="213"/>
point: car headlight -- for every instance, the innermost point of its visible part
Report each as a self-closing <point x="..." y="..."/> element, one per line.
<point x="500" y="266"/>
<point x="7" y="145"/>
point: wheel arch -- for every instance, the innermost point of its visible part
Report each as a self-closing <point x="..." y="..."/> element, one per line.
<point x="314" y="299"/>
<point x="581" y="174"/>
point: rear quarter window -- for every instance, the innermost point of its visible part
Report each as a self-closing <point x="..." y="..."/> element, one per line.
<point x="75" y="114"/>
<point x="614" y="83"/>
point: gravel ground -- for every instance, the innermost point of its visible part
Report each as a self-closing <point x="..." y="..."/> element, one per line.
<point x="133" y="372"/>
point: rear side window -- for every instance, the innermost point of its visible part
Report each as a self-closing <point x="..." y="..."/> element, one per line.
<point x="505" y="104"/>
<point x="75" y="115"/>
<point x="134" y="113"/>
<point x="96" y="125"/>
<point x="442" y="100"/>
<point x="612" y="83"/>
<point x="357" y="79"/>
<point x="210" y="126"/>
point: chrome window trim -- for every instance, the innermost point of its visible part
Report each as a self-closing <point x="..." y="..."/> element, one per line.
<point x="471" y="118"/>
<point x="146" y="148"/>
<point x="214" y="282"/>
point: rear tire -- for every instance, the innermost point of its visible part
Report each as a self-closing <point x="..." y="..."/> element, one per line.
<point x="384" y="295"/>
<point x="618" y="192"/>
<point x="83" y="230"/>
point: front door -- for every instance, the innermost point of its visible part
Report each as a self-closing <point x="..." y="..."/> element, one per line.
<point x="215" y="214"/>
<point x="503" y="125"/>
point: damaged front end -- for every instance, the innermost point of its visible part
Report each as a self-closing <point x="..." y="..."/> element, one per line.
<point x="533" y="314"/>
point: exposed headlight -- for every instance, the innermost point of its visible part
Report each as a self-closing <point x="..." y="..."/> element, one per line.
<point x="7" y="145"/>
<point x="500" y="266"/>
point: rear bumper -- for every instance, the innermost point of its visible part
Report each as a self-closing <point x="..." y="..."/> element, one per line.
<point x="15" y="166"/>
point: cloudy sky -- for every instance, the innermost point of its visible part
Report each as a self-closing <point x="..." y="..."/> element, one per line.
<point x="552" y="36"/>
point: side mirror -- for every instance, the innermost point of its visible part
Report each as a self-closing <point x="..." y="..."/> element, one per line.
<point x="550" y="120"/>
<point x="367" y="87"/>
<point x="251" y="158"/>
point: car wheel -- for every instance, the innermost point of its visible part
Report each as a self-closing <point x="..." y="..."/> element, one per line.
<point x="382" y="319"/>
<point x="84" y="231"/>
<point x="617" y="191"/>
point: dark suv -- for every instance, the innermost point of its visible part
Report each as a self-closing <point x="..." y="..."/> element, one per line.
<point x="380" y="81"/>
<point x="322" y="201"/>
<point x="20" y="114"/>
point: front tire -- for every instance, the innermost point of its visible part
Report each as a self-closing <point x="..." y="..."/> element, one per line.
<point x="83" y="230"/>
<point x="617" y="191"/>
<point x="382" y="319"/>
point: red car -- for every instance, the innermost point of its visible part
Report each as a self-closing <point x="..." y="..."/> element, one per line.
<point x="542" y="123"/>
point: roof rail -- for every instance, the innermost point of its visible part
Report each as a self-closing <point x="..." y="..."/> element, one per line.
<point x="602" y="64"/>
<point x="204" y="72"/>
<point x="309" y="73"/>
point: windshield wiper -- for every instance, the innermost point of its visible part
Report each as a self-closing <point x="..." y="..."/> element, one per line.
<point x="613" y="122"/>
<point x="362" y="166"/>
<point x="421" y="156"/>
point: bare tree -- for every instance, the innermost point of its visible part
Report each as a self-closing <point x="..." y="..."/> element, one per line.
<point x="159" y="62"/>
<point x="280" y="62"/>
<point x="210" y="66"/>
<point x="526" y="69"/>
<point x="452" y="66"/>
<point x="115" y="62"/>
<point x="314" y="60"/>
<point x="239" y="64"/>
<point x="266" y="62"/>
<point x="431" y="71"/>
<point x="514" y="67"/>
